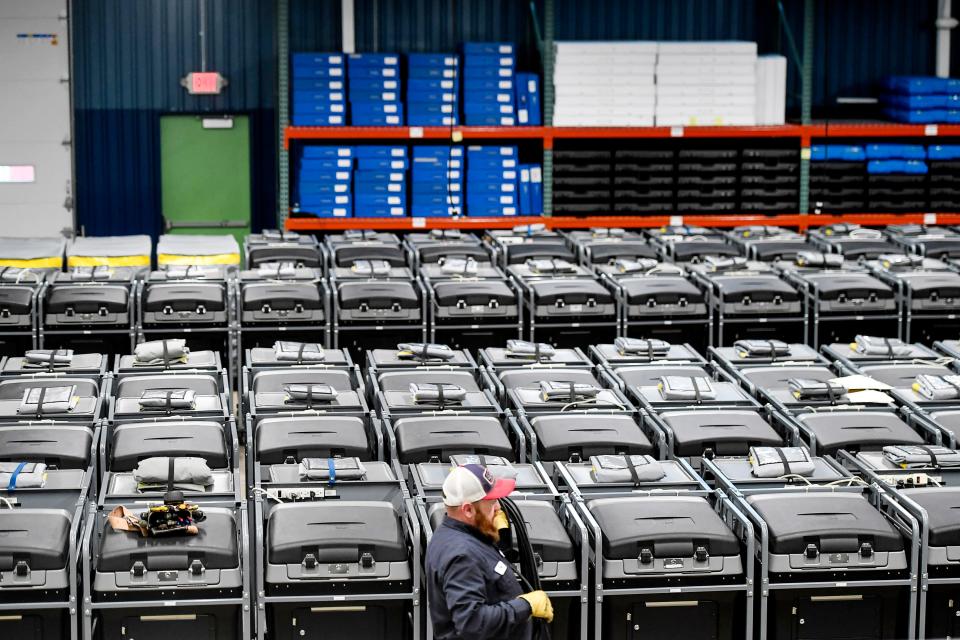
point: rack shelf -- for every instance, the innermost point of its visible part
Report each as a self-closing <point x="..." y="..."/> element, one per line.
<point x="800" y="221"/>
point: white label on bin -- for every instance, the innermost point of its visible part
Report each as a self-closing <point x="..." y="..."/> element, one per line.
<point x="340" y="188"/>
<point x="344" y="152"/>
<point x="396" y="164"/>
<point x="390" y="84"/>
<point x="343" y="175"/>
<point x="929" y="218"/>
<point x="344" y="163"/>
<point x="393" y="119"/>
<point x="676" y="221"/>
<point x="342" y="199"/>
<point x="389" y="73"/>
<point x="398" y="152"/>
<point x="395" y="187"/>
<point x="676" y="132"/>
<point x="449" y="73"/>
<point x="930" y="130"/>
<point x="336" y="96"/>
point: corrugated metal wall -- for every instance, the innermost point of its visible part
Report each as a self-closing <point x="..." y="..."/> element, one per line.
<point x="130" y="54"/>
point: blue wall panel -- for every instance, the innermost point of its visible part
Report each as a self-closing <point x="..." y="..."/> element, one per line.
<point x="129" y="56"/>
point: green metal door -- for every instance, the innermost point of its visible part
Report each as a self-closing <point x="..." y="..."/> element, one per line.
<point x="205" y="174"/>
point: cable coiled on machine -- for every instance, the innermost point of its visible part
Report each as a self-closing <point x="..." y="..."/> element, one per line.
<point x="528" y="574"/>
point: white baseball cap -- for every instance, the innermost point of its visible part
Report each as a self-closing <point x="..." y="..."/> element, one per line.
<point x="473" y="482"/>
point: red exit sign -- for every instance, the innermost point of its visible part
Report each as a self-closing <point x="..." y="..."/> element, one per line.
<point x="204" y="83"/>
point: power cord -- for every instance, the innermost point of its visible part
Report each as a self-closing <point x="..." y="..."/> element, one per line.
<point x="528" y="573"/>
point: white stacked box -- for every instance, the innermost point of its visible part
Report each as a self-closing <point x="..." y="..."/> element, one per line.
<point x="604" y="83"/>
<point x="771" y="89"/>
<point x="706" y="83"/>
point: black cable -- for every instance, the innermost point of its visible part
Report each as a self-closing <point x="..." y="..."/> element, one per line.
<point x="528" y="573"/>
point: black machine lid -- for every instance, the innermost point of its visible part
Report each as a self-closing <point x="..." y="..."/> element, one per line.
<point x="17" y="300"/>
<point x="40" y="537"/>
<point x="661" y="289"/>
<point x="185" y="296"/>
<point x="571" y="291"/>
<point x="851" y="285"/>
<point x="335" y="532"/>
<point x="134" y="442"/>
<point x="854" y="249"/>
<point x="944" y="285"/>
<point x="347" y="254"/>
<point x="858" y="430"/>
<point x="63" y="446"/>
<point x="902" y="376"/>
<point x="943" y="510"/>
<point x="88" y="299"/>
<point x="519" y="253"/>
<point x="215" y="546"/>
<point x="726" y="432"/>
<point x="649" y="376"/>
<point x="433" y="253"/>
<point x="602" y="251"/>
<point x="783" y="249"/>
<point x="667" y="526"/>
<point x="401" y="380"/>
<point x="835" y="522"/>
<point x="281" y="296"/>
<point x="302" y="437"/>
<point x="306" y="255"/>
<point x="474" y="293"/>
<point x="761" y="288"/>
<point x="378" y="295"/>
<point x="775" y="377"/>
<point x="561" y="436"/>
<point x="422" y="438"/>
<point x="684" y="251"/>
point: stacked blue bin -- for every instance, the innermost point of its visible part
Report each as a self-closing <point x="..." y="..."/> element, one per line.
<point x="527" y="96"/>
<point x="922" y="99"/>
<point x="896" y="177"/>
<point x="436" y="182"/>
<point x="375" y="98"/>
<point x="319" y="90"/>
<point x="324" y="182"/>
<point x="530" y="190"/>
<point x="492" y="173"/>
<point x="433" y="89"/>
<point x="943" y="179"/>
<point x="380" y="181"/>
<point x="488" y="84"/>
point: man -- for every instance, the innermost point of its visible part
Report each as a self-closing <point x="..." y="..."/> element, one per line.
<point x="472" y="589"/>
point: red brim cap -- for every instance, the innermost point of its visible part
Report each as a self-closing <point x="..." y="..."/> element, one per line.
<point x="501" y="489"/>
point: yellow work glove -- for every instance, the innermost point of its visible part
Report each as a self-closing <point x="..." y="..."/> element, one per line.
<point x="500" y="521"/>
<point x="540" y="606"/>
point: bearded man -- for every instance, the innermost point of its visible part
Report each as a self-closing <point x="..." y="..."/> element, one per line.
<point x="472" y="590"/>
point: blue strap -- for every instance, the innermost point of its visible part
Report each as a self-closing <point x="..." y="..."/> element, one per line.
<point x="13" y="476"/>
<point x="332" y="466"/>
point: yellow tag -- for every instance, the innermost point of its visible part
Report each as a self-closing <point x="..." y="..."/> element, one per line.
<point x="853" y="346"/>
<point x="190" y="261"/>
<point x="106" y="261"/>
<point x="746" y="234"/>
<point x="828" y="232"/>
<point x="34" y="263"/>
<point x="915" y="386"/>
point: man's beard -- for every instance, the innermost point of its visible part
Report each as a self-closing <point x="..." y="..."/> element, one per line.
<point x="486" y="527"/>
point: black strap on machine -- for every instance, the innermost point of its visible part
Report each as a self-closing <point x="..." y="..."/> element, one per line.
<point x="929" y="452"/>
<point x="783" y="459"/>
<point x="309" y="396"/>
<point x="51" y="365"/>
<point x="773" y="350"/>
<point x="168" y="401"/>
<point x="171" y="462"/>
<point x="423" y="352"/>
<point x="573" y="393"/>
<point x="634" y="476"/>
<point x="649" y="349"/>
<point x="43" y="392"/>
<point x="166" y="354"/>
<point x="886" y="341"/>
<point x="696" y="390"/>
<point x="441" y="400"/>
<point x="303" y="345"/>
<point x="536" y="352"/>
<point x="830" y="394"/>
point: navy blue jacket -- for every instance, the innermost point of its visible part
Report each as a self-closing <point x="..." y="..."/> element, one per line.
<point x="469" y="599"/>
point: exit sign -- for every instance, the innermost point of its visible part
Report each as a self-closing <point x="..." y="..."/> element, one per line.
<point x="204" y="83"/>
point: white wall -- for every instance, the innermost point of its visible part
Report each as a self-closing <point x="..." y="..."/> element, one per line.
<point x="35" y="116"/>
